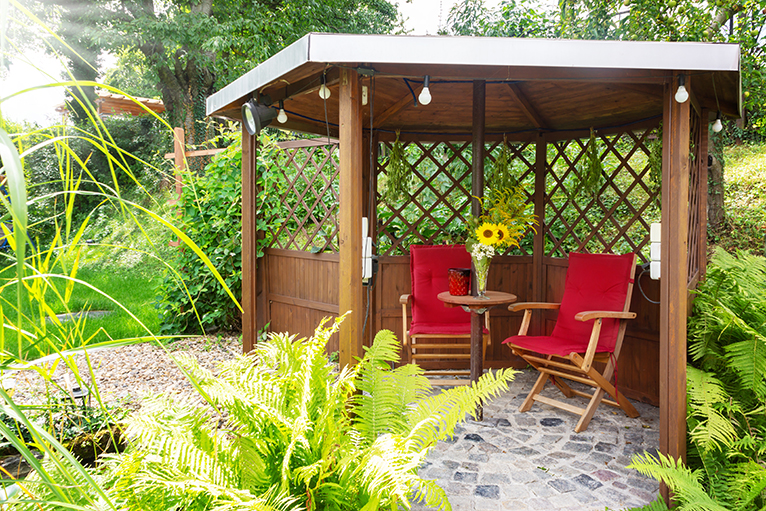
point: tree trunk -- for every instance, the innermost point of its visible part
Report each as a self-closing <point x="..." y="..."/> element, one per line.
<point x="716" y="215"/>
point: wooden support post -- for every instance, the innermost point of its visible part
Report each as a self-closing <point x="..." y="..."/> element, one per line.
<point x="249" y="237"/>
<point x="673" y="293"/>
<point x="541" y="166"/>
<point x="477" y="190"/>
<point x="350" y="216"/>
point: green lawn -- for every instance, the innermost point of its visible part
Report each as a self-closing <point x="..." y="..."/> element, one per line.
<point x="126" y="280"/>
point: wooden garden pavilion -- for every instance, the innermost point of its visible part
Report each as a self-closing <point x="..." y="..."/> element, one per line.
<point x="541" y="96"/>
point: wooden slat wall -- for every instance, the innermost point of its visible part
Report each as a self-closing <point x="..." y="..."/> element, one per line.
<point x="301" y="289"/>
<point x="638" y="366"/>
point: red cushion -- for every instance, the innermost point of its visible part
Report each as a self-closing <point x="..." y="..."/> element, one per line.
<point x="594" y="282"/>
<point x="429" y="265"/>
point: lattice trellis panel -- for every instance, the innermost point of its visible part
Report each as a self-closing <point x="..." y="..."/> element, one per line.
<point x="614" y="219"/>
<point x="309" y="193"/>
<point x="693" y="235"/>
<point x="439" y="200"/>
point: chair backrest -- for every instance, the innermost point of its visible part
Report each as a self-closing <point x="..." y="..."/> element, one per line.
<point x="429" y="265"/>
<point x="594" y="282"/>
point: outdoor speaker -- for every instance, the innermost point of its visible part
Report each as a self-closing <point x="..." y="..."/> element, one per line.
<point x="257" y="116"/>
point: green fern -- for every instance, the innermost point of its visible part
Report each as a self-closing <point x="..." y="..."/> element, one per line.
<point x="705" y="394"/>
<point x="284" y="430"/>
<point x="685" y="484"/>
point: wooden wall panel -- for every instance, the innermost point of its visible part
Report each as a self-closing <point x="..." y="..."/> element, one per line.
<point x="302" y="288"/>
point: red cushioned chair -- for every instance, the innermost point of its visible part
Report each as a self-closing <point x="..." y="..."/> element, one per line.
<point x="589" y="328"/>
<point x="429" y="265"/>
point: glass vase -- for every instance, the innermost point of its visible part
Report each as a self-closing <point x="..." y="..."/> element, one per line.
<point x="481" y="265"/>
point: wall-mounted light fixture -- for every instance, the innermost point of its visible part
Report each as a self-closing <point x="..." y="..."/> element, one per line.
<point x="681" y="93"/>
<point x="255" y="116"/>
<point x="425" y="95"/>
<point x="717" y="125"/>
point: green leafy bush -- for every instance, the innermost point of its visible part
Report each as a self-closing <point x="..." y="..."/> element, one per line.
<point x="284" y="429"/>
<point x="726" y="387"/>
<point x="190" y="299"/>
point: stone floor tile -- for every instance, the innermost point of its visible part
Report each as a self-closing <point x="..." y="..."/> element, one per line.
<point x="462" y="503"/>
<point x="515" y="491"/>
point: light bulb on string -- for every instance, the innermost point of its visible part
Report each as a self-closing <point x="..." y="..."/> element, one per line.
<point x="682" y="95"/>
<point x="425" y="95"/>
<point x="717" y="125"/>
<point x="282" y="116"/>
<point x="324" y="90"/>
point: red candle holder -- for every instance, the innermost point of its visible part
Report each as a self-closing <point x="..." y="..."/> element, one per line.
<point x="459" y="281"/>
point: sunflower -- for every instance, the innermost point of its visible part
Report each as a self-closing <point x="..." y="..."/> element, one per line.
<point x="503" y="235"/>
<point x="487" y="234"/>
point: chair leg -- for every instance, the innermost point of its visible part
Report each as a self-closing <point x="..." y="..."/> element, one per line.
<point x="563" y="387"/>
<point x="538" y="386"/>
<point x="590" y="410"/>
<point x="626" y="406"/>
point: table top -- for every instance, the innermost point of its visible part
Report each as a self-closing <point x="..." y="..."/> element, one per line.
<point x="471" y="302"/>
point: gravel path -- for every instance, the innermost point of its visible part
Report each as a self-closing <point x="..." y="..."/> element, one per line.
<point x="127" y="374"/>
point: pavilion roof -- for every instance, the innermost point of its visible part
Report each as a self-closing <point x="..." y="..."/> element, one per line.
<point x="532" y="85"/>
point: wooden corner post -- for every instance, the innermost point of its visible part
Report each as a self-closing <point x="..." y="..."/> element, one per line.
<point x="538" y="247"/>
<point x="350" y="216"/>
<point x="673" y="273"/>
<point x="249" y="240"/>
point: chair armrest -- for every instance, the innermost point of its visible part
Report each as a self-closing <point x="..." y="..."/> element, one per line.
<point x="405" y="299"/>
<point x="588" y="315"/>
<point x="515" y="307"/>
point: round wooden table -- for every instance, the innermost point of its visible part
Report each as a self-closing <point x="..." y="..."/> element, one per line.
<point x="477" y="307"/>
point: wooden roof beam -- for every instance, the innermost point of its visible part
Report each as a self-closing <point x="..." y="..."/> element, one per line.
<point x="526" y="106"/>
<point x="394" y="109"/>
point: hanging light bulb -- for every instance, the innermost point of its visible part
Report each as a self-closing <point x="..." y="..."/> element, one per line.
<point x="282" y="116"/>
<point x="425" y="95"/>
<point x="324" y="90"/>
<point x="717" y="125"/>
<point x="682" y="94"/>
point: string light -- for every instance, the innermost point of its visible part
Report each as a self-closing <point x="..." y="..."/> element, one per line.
<point x="282" y="116"/>
<point x="717" y="125"/>
<point x="682" y="95"/>
<point x="324" y="90"/>
<point x="425" y="95"/>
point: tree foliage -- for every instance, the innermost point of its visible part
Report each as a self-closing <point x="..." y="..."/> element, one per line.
<point x="196" y="47"/>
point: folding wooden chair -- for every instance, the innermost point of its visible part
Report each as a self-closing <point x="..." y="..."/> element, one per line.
<point x="429" y="265"/>
<point x="590" y="328"/>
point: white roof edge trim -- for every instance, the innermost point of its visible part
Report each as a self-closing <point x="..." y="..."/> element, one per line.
<point x="481" y="51"/>
<point x="289" y="58"/>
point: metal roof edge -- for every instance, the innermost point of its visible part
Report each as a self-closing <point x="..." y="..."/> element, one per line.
<point x="289" y="58"/>
<point x="524" y="52"/>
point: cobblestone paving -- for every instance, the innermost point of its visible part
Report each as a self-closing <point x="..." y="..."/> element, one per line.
<point x="535" y="460"/>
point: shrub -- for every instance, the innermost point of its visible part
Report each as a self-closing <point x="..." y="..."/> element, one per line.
<point x="211" y="215"/>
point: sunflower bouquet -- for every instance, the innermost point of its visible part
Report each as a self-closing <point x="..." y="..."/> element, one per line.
<point x="503" y="223"/>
